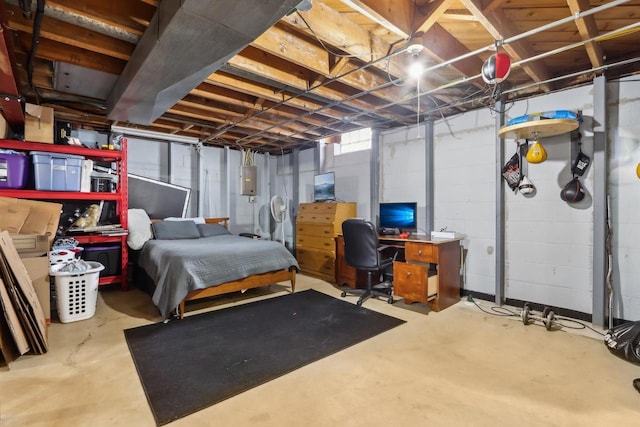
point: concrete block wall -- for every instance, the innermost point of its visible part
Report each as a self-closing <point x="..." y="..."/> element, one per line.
<point x="402" y="176"/>
<point x="624" y="190"/>
<point x="148" y="158"/>
<point x="548" y="242"/>
<point x="212" y="201"/>
<point x="352" y="172"/>
<point x="465" y="174"/>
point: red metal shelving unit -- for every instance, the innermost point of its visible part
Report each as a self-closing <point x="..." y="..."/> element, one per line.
<point x="120" y="197"/>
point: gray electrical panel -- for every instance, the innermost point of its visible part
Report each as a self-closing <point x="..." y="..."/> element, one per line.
<point x="248" y="180"/>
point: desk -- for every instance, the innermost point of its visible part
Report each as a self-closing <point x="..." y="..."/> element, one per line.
<point x="427" y="272"/>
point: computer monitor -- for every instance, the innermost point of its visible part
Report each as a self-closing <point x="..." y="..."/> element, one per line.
<point x="324" y="187"/>
<point x="401" y="215"/>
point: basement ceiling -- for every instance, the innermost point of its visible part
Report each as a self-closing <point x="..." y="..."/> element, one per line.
<point x="304" y="71"/>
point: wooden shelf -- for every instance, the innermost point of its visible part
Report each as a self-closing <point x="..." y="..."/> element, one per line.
<point x="538" y="129"/>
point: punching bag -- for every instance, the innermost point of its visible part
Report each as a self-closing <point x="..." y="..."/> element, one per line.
<point x="572" y="192"/>
<point x="496" y="68"/>
<point x="536" y="153"/>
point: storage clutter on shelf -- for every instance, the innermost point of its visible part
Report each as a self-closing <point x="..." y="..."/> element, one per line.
<point x="56" y="172"/>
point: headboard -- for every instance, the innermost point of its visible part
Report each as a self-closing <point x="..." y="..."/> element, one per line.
<point x="222" y="220"/>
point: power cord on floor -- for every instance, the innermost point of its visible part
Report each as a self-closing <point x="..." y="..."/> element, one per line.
<point x="505" y="312"/>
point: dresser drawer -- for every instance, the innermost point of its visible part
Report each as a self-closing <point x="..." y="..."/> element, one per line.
<point x="314" y="242"/>
<point x="315" y="218"/>
<point x="317" y="208"/>
<point x="318" y="230"/>
<point x="421" y="252"/>
<point x="316" y="261"/>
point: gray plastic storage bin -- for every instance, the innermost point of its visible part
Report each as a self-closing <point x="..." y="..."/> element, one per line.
<point x="56" y="172"/>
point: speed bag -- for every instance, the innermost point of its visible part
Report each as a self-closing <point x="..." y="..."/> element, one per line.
<point x="624" y="341"/>
<point x="573" y="191"/>
<point x="496" y="69"/>
<point x="536" y="153"/>
<point x="526" y="186"/>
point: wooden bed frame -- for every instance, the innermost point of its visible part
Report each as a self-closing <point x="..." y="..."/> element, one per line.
<point x="255" y="281"/>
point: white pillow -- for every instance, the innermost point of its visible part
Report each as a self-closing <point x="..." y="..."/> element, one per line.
<point x="139" y="229"/>
<point x="197" y="219"/>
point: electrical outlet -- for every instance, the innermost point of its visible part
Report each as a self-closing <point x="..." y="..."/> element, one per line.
<point x="252" y="199"/>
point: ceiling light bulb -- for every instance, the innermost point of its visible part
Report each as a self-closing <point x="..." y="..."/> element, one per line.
<point x="415" y="68"/>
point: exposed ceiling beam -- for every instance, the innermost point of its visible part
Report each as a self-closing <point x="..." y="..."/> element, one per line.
<point x="500" y="27"/>
<point x="421" y="24"/>
<point x="258" y="90"/>
<point x="129" y="16"/>
<point x="335" y="30"/>
<point x="10" y="99"/>
<point x="588" y="30"/>
<point x="71" y="35"/>
<point x="55" y="51"/>
<point x="434" y="11"/>
<point x="394" y="15"/>
<point x="314" y="57"/>
<point x="252" y="61"/>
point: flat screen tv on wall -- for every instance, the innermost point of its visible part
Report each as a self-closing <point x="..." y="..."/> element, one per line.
<point x="324" y="187"/>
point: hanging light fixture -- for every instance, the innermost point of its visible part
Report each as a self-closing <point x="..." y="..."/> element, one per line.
<point x="416" y="68"/>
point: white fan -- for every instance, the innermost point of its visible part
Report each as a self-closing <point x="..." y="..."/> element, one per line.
<point x="279" y="212"/>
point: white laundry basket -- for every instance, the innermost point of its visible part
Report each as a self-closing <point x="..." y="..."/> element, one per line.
<point x="76" y="293"/>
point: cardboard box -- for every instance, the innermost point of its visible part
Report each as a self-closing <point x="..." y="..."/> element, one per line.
<point x="31" y="244"/>
<point x="38" y="123"/>
<point x="24" y="315"/>
<point x="42" y="217"/>
<point x="4" y="127"/>
<point x="38" y="269"/>
<point x="13" y="217"/>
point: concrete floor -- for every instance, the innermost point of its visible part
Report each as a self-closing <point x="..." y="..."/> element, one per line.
<point x="458" y="367"/>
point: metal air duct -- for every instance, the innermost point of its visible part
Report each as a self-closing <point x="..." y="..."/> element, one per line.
<point x="186" y="41"/>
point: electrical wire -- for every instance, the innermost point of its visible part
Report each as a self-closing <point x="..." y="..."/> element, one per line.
<point x="505" y="312"/>
<point x="497" y="310"/>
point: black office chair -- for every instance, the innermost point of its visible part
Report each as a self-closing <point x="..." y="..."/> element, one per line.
<point x="362" y="252"/>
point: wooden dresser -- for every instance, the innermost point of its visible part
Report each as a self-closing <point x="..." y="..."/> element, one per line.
<point x="317" y="226"/>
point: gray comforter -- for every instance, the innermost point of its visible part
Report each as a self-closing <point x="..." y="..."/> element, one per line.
<point x="179" y="267"/>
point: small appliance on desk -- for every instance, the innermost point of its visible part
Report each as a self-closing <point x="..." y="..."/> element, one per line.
<point x="443" y="234"/>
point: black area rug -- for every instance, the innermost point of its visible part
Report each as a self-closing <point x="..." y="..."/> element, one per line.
<point x="187" y="365"/>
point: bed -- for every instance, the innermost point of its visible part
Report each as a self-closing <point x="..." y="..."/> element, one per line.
<point x="190" y="265"/>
